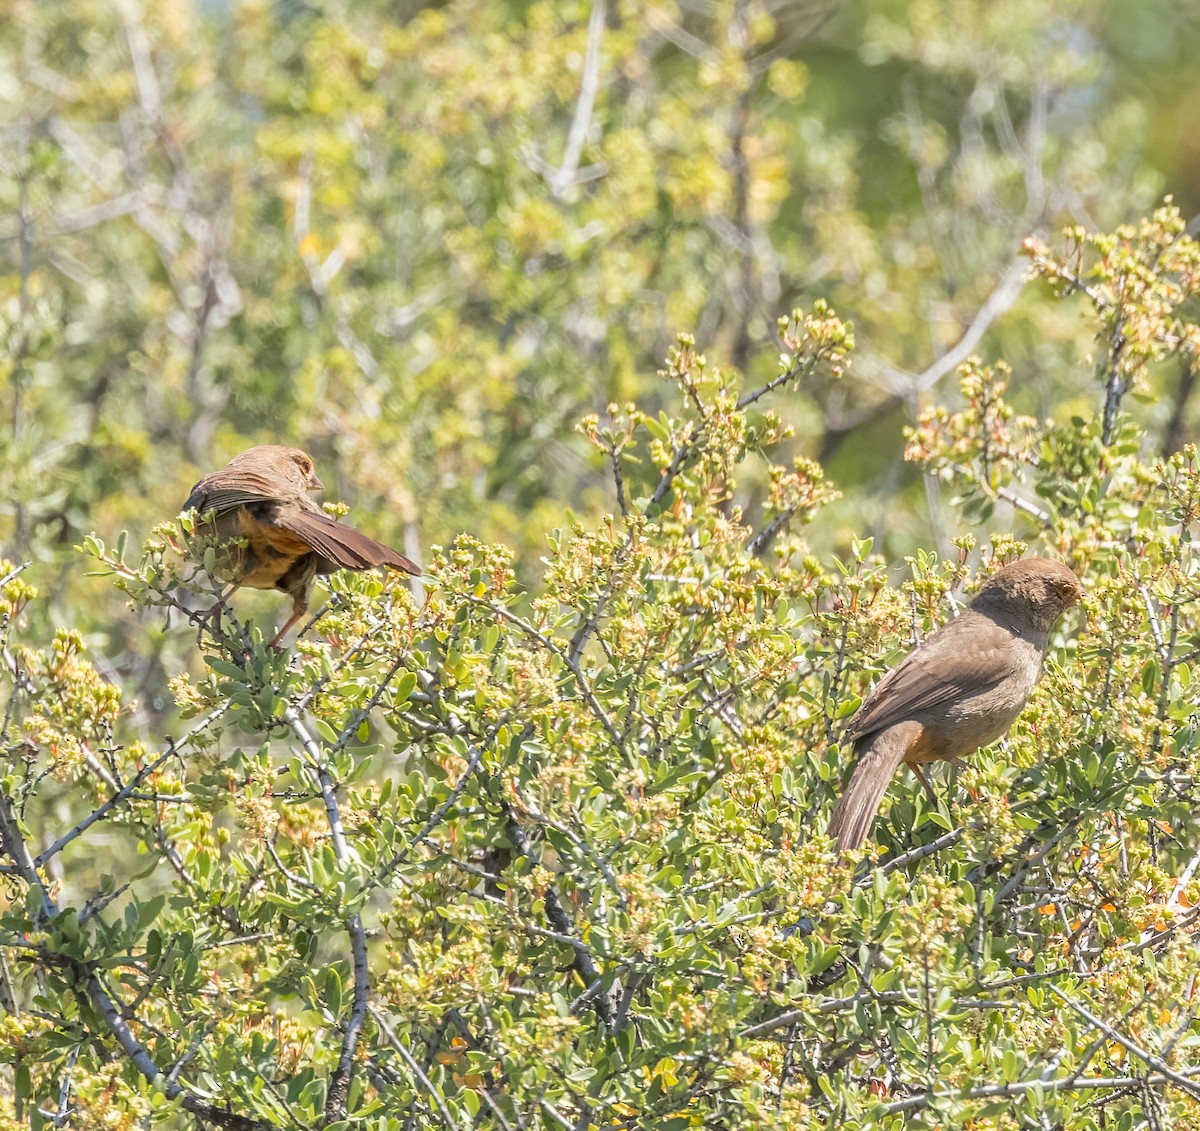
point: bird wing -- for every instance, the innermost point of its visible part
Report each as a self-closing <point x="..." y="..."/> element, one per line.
<point x="225" y="490"/>
<point x="341" y="545"/>
<point x="961" y="659"/>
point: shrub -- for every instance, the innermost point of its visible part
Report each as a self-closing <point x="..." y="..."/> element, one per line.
<point x="495" y="856"/>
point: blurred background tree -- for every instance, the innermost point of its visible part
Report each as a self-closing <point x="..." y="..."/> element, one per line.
<point x="423" y="240"/>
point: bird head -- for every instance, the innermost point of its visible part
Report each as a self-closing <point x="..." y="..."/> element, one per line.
<point x="1040" y="588"/>
<point x="305" y="471"/>
<point x="289" y="464"/>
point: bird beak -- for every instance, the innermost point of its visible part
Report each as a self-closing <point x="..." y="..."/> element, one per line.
<point x="314" y="484"/>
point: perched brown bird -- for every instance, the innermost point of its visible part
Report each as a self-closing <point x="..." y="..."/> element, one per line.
<point x="958" y="690"/>
<point x="279" y="538"/>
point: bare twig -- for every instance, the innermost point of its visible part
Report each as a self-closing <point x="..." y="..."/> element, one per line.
<point x="1003" y="295"/>
<point x="100" y="813"/>
<point x="564" y="176"/>
<point x="14" y="572"/>
<point x="763" y="540"/>
<point x="614" y="455"/>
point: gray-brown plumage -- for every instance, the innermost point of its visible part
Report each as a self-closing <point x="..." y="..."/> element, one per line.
<point x="958" y="690"/>
<point x="278" y="537"/>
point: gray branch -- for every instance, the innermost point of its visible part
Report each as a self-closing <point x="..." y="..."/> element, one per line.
<point x="339" y="1082"/>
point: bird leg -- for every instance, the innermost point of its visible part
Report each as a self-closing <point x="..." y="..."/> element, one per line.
<point x="299" y="608"/>
<point x="916" y="769"/>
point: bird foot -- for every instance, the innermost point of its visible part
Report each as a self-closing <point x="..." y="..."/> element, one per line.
<point x="210" y="619"/>
<point x="298" y="611"/>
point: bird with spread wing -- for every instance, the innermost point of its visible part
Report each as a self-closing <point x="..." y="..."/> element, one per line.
<point x="271" y="535"/>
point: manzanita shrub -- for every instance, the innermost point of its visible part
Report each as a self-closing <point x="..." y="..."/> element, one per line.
<point x="481" y="856"/>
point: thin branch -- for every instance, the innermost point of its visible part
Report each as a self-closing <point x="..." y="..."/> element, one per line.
<point x="565" y="939"/>
<point x="344" y="656"/>
<point x="1142" y="1054"/>
<point x="14" y="572"/>
<point x="606" y="1004"/>
<point x="284" y="871"/>
<point x="1116" y="384"/>
<point x="339" y="1082"/>
<point x="555" y="1115"/>
<point x="1009" y="496"/>
<point x="657" y="20"/>
<point x="101" y="1000"/>
<point x="564" y="176"/>
<point x="1021" y="1087"/>
<point x="564" y="831"/>
<point x="439" y="814"/>
<point x="686" y="451"/>
<point x="798" y="367"/>
<point x="915" y="854"/>
<point x="614" y="455"/>
<point x="99" y="814"/>
<point x="1033" y="861"/>
<point x="351" y="728"/>
<point x="680" y="457"/>
<point x="567" y="658"/>
<point x="64" y="1092"/>
<point x="1004" y="294"/>
<point x="149" y="94"/>
<point x="765" y="538"/>
<point x="320" y="275"/>
<point x="415" y="1068"/>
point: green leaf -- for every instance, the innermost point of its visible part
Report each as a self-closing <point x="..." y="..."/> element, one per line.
<point x="333" y="991"/>
<point x="327" y="731"/>
<point x="225" y="668"/>
<point x="406" y="683"/>
<point x="149" y="910"/>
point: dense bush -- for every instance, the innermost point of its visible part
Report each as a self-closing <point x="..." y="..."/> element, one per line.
<point x="500" y="857"/>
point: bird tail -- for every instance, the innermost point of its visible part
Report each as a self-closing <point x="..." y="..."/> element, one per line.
<point x="341" y="545"/>
<point x="856" y="808"/>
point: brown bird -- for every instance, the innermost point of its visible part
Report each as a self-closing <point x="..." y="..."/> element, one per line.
<point x="958" y="690"/>
<point x="278" y="538"/>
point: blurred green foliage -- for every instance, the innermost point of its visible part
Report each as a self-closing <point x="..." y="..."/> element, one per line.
<point x="423" y="241"/>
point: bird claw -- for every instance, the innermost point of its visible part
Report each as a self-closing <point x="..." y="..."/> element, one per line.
<point x="210" y="619"/>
